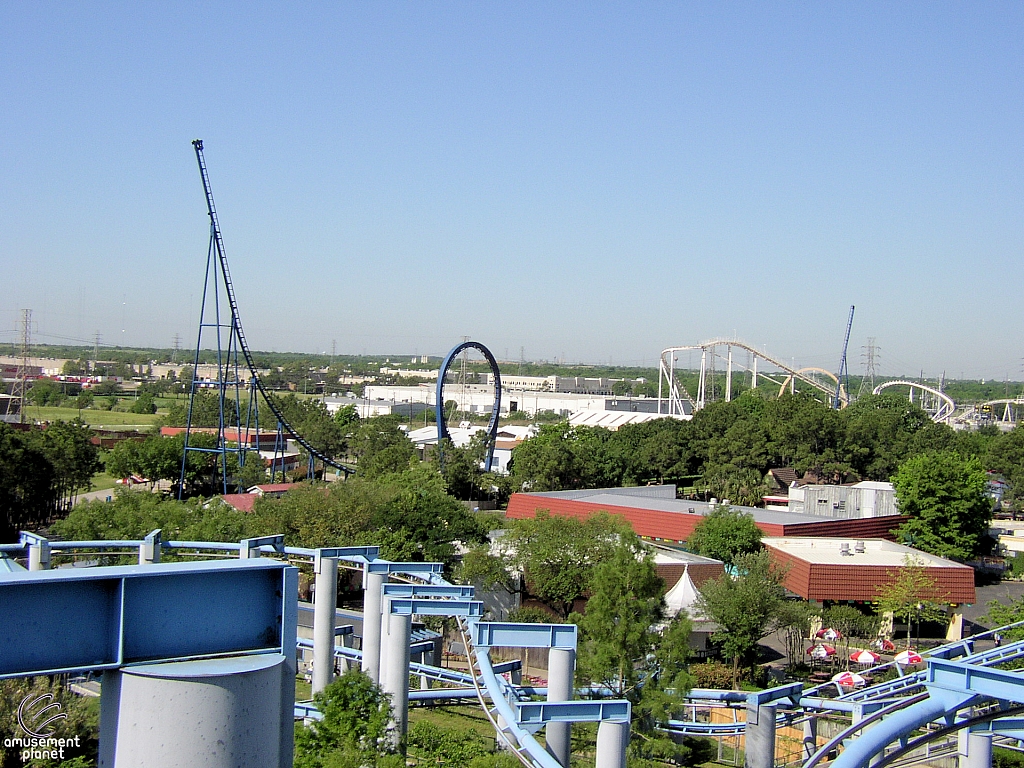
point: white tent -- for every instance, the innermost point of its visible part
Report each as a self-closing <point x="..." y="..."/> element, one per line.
<point x="683" y="596"/>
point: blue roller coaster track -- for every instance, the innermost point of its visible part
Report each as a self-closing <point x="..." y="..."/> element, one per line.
<point x="218" y="279"/>
<point x="442" y="423"/>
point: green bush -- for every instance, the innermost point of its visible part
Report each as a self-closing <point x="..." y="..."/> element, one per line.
<point x="1006" y="758"/>
<point x="711" y="674"/>
<point x="447" y="745"/>
<point x="1016" y="565"/>
<point x="531" y="615"/>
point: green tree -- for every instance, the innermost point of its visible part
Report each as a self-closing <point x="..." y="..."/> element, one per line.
<point x="354" y="730"/>
<point x="45" y="392"/>
<point x="144" y="403"/>
<point x="724" y="534"/>
<point x="617" y="630"/>
<point x="380" y="447"/>
<point x="68" y="447"/>
<point x="944" y="495"/>
<point x="563" y="457"/>
<point x="27" y="484"/>
<point x="558" y="555"/>
<point x="1005" y="455"/>
<point x="745" y="607"/>
<point x="792" y="626"/>
<point x="911" y="595"/>
<point x="1000" y="614"/>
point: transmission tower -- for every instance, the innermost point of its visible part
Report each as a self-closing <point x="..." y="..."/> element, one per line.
<point x="870" y="358"/>
<point x="21" y="379"/>
<point x="177" y="348"/>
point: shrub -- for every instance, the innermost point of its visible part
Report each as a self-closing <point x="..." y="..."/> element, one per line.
<point x="447" y="745"/>
<point x="532" y="615"/>
<point x="711" y="674"/>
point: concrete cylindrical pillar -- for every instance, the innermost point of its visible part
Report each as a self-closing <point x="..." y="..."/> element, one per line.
<point x="39" y="556"/>
<point x="373" y="594"/>
<point x="325" y="605"/>
<point x="561" y="671"/>
<point x="612" y="740"/>
<point x="979" y="750"/>
<point x="810" y="737"/>
<point x="760" y="737"/>
<point x="395" y="670"/>
<point x="215" y="713"/>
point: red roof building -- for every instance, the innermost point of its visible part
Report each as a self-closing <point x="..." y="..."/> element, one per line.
<point x="243" y="502"/>
<point x="655" y="513"/>
<point x="842" y="569"/>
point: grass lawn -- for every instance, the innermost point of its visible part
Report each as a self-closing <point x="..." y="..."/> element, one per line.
<point x="101" y="481"/>
<point x="93" y="418"/>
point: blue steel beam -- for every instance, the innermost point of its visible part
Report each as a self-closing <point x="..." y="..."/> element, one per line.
<point x="72" y="620"/>
<point x="538" y="713"/>
<point x="401" y="606"/>
<point x="349" y="554"/>
<point x="788" y="691"/>
<point x="970" y="678"/>
<point x="412" y="569"/>
<point x="511" y="635"/>
<point x="246" y="547"/>
<point x="428" y="590"/>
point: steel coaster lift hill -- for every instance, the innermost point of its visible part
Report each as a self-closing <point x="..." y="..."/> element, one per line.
<point x="230" y="341"/>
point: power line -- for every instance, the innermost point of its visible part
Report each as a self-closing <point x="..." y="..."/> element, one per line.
<point x="870" y="357"/>
<point x="21" y="381"/>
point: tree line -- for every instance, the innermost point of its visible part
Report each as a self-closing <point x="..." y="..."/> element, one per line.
<point x="41" y="472"/>
<point x="727" y="448"/>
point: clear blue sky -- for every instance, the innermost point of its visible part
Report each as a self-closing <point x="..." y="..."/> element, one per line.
<point x="584" y="180"/>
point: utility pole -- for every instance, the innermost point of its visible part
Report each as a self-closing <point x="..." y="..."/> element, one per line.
<point x="870" y="358"/>
<point x="21" y="381"/>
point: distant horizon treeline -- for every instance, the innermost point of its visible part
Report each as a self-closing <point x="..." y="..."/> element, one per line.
<point x="961" y="390"/>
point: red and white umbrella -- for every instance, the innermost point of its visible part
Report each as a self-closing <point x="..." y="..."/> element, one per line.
<point x="829" y="634"/>
<point x="905" y="658"/>
<point x="849" y="679"/>
<point x="883" y="645"/>
<point x="864" y="657"/>
<point x="822" y="651"/>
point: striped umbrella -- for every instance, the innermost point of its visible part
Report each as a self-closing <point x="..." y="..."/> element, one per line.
<point x="905" y="658"/>
<point x="849" y="679"/>
<point x="829" y="634"/>
<point x="865" y="657"/>
<point x="883" y="645"/>
<point x="822" y="651"/>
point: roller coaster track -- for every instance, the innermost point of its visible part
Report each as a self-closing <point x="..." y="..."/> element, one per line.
<point x="944" y="411"/>
<point x="236" y="323"/>
<point x="988" y="695"/>
<point x="667" y="373"/>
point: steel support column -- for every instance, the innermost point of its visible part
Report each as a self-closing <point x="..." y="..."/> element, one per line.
<point x="372" y="598"/>
<point x="612" y="740"/>
<point x="325" y="603"/>
<point x="561" y="672"/>
<point x="395" y="669"/>
<point x="760" y="735"/>
<point x="979" y="750"/>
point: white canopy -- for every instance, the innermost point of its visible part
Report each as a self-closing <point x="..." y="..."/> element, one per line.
<point x="683" y="596"/>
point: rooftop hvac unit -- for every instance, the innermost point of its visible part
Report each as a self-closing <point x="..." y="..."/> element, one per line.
<point x="844" y="549"/>
<point x="858" y="547"/>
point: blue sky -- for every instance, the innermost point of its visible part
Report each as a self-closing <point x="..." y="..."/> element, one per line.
<point x="584" y="180"/>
